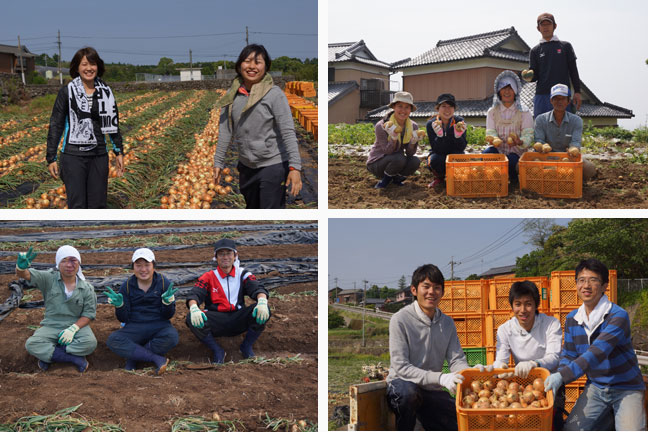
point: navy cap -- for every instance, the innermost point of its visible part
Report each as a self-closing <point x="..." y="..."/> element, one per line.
<point x="224" y="244"/>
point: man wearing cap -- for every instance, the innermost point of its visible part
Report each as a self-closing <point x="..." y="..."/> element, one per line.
<point x="145" y="304"/>
<point x="551" y="62"/>
<point x="509" y="125"/>
<point x="392" y="158"/>
<point x="223" y="292"/>
<point x="562" y="129"/>
<point x="447" y="134"/>
<point x="70" y="304"/>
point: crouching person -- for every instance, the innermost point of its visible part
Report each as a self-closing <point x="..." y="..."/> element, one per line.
<point x="70" y="305"/>
<point x="145" y="304"/>
<point x="223" y="292"/>
<point x="421" y="337"/>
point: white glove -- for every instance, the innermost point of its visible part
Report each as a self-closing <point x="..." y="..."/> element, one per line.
<point x="198" y="317"/>
<point x="522" y="369"/>
<point x="450" y="381"/>
<point x="391" y="130"/>
<point x="261" y="311"/>
<point x="437" y="127"/>
<point x="67" y="335"/>
<point x="501" y="365"/>
<point x="482" y="368"/>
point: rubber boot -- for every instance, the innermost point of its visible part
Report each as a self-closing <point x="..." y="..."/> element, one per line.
<point x="219" y="353"/>
<point x="131" y="365"/>
<point x="384" y="182"/>
<point x="43" y="365"/>
<point x="62" y="356"/>
<point x="142" y="354"/>
<point x="398" y="180"/>
<point x="246" y="346"/>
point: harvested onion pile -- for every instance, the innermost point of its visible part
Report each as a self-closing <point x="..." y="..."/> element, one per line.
<point x="502" y="394"/>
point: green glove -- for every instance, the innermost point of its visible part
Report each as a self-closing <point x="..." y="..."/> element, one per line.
<point x="198" y="317"/>
<point x="114" y="298"/>
<point x="66" y="336"/>
<point x="25" y="259"/>
<point x="168" y="296"/>
<point x="261" y="311"/>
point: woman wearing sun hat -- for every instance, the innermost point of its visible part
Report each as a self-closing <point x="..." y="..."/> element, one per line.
<point x="392" y="158"/>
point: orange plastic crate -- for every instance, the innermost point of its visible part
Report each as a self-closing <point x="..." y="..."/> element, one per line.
<point x="499" y="292"/>
<point x="547" y="175"/>
<point x="477" y="175"/>
<point x="493" y="320"/>
<point x="491" y="353"/>
<point x="563" y="289"/>
<point x="572" y="391"/>
<point x="500" y="419"/>
<point x="470" y="329"/>
<point x="465" y="296"/>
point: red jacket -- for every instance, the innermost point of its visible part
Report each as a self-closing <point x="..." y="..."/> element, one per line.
<point x="225" y="292"/>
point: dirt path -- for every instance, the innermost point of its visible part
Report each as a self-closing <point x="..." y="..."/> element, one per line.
<point x="619" y="184"/>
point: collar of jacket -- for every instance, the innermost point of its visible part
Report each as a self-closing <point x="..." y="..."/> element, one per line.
<point x="259" y="90"/>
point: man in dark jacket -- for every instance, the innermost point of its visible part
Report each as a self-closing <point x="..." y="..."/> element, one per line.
<point x="551" y="62"/>
<point x="223" y="292"/>
<point x="145" y="304"/>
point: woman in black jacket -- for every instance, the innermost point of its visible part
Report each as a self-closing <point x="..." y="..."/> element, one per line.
<point x="85" y="112"/>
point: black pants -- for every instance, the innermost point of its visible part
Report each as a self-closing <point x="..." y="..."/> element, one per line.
<point x="86" y="180"/>
<point x="264" y="188"/>
<point x="227" y="323"/>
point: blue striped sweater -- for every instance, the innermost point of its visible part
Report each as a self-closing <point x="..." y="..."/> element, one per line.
<point x="607" y="357"/>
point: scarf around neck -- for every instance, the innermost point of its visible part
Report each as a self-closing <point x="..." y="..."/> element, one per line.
<point x="406" y="136"/>
<point x="81" y="128"/>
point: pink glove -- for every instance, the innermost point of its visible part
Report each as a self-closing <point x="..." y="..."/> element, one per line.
<point x="437" y="126"/>
<point x="459" y="129"/>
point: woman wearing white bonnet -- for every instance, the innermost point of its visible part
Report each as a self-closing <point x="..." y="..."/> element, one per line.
<point x="70" y="304"/>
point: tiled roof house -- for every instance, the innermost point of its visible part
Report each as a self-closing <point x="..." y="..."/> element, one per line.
<point x="357" y="82"/>
<point x="467" y="68"/>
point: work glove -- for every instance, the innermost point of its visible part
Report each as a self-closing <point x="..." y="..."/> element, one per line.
<point x="168" y="296"/>
<point x="115" y="299"/>
<point x="501" y="365"/>
<point x="417" y="136"/>
<point x="527" y="75"/>
<point x="450" y="381"/>
<point x="437" y="127"/>
<point x="66" y="336"/>
<point x="390" y="128"/>
<point x="522" y="369"/>
<point x="553" y="382"/>
<point x="482" y="368"/>
<point x="25" y="258"/>
<point x="573" y="152"/>
<point x="198" y="317"/>
<point x="459" y="129"/>
<point x="261" y="311"/>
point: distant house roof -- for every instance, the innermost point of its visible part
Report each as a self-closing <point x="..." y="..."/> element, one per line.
<point x="479" y="108"/>
<point x="471" y="47"/>
<point x="13" y="49"/>
<point x="377" y="301"/>
<point x="54" y="69"/>
<point x="337" y="90"/>
<point x="348" y="292"/>
<point x="498" y="270"/>
<point x="353" y="51"/>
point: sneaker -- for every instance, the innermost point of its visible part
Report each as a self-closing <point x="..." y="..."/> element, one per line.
<point x="43" y="365"/>
<point x="384" y="182"/>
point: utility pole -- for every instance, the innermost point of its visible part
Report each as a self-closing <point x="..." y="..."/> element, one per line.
<point x="247" y="42"/>
<point x="364" y="312"/>
<point x="452" y="264"/>
<point x="22" y="66"/>
<point x="190" y="67"/>
<point x="59" y="59"/>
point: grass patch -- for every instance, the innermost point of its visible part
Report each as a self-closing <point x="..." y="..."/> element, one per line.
<point x="202" y="424"/>
<point x="345" y="369"/>
<point x="276" y="424"/>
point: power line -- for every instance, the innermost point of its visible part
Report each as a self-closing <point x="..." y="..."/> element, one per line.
<point x="154" y="37"/>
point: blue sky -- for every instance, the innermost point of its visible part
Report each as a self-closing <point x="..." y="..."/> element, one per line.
<point x="380" y="250"/>
<point x="98" y="24"/>
<point x="608" y="37"/>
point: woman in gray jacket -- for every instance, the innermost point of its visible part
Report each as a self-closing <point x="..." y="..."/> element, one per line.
<point x="256" y="117"/>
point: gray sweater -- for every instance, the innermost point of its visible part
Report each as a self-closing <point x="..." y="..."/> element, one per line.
<point x="418" y="346"/>
<point x="264" y="132"/>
